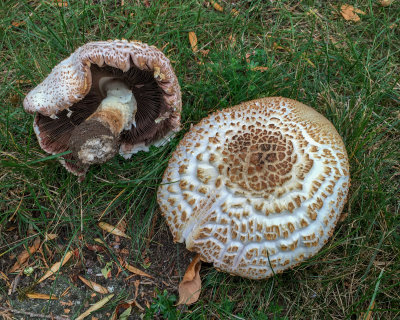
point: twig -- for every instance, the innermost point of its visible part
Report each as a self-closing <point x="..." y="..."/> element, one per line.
<point x="33" y="315"/>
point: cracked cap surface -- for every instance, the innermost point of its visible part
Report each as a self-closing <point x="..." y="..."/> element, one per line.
<point x="256" y="187"/>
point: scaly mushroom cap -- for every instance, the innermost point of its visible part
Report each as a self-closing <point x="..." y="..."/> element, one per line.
<point x="72" y="92"/>
<point x="257" y="188"/>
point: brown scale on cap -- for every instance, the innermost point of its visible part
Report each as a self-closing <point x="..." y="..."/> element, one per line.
<point x="74" y="90"/>
<point x="261" y="186"/>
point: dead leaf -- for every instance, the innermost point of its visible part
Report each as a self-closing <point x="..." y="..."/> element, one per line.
<point x="56" y="267"/>
<point x="113" y="230"/>
<point x="232" y="40"/>
<point x="343" y="216"/>
<point x="93" y="285"/>
<point x="190" y="286"/>
<point x="217" y="6"/>
<point x="61" y="3"/>
<point x="261" y="69"/>
<point x="24" y="256"/>
<point x="134" y="270"/>
<point x="349" y="13"/>
<point x="17" y="23"/>
<point x="193" y="41"/>
<point x="50" y="236"/>
<point x="234" y="12"/>
<point x="66" y="311"/>
<point x="95" y="307"/>
<point x="68" y="303"/>
<point x="204" y="52"/>
<point x="41" y="296"/>
<point x="386" y="3"/>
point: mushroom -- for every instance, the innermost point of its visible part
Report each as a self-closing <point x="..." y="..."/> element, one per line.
<point x="107" y="96"/>
<point x="257" y="188"/>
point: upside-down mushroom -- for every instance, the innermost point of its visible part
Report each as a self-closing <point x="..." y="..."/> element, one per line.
<point x="257" y="188"/>
<point x="108" y="96"/>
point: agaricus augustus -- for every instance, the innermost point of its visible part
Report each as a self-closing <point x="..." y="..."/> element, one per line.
<point x="107" y="96"/>
<point x="257" y="188"/>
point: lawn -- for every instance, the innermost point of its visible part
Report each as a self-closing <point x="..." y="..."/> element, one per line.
<point x="305" y="50"/>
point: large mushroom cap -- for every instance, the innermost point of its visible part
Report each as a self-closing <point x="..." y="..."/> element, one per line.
<point x="72" y="92"/>
<point x="257" y="188"/>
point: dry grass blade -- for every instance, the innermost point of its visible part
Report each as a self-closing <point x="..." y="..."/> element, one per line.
<point x="24" y="256"/>
<point x="113" y="230"/>
<point x="93" y="285"/>
<point x="193" y="41"/>
<point x="190" y="286"/>
<point x="134" y="270"/>
<point x="95" y="307"/>
<point x="41" y="296"/>
<point x="55" y="267"/>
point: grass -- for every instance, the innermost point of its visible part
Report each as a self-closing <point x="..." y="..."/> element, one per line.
<point x="347" y="71"/>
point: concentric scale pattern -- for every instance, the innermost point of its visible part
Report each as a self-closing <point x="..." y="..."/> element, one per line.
<point x="256" y="188"/>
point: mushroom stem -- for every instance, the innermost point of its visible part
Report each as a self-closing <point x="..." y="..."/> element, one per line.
<point x="96" y="139"/>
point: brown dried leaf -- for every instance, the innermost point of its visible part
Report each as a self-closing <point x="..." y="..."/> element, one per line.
<point x="134" y="270"/>
<point x="386" y="3"/>
<point x="261" y="69"/>
<point x="41" y="296"/>
<point x="217" y="6"/>
<point x="61" y="3"/>
<point x="190" y="286"/>
<point x="113" y="230"/>
<point x="24" y="256"/>
<point x="17" y="23"/>
<point x="93" y="285"/>
<point x="55" y="267"/>
<point x="349" y="13"/>
<point x="234" y="12"/>
<point x="95" y="307"/>
<point x="50" y="236"/>
<point x="204" y="52"/>
<point x="193" y="41"/>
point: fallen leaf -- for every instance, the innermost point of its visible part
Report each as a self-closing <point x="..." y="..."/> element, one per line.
<point x="204" y="52"/>
<point x="17" y="23"/>
<point x="386" y="3"/>
<point x="24" y="256"/>
<point x="41" y="296"/>
<point x="66" y="311"/>
<point x="50" y="236"/>
<point x="232" y="40"/>
<point x="56" y="267"/>
<point x="95" y="307"/>
<point x="193" y="41"/>
<point x="68" y="303"/>
<point x="112" y="229"/>
<point x="190" y="286"/>
<point x="61" y="3"/>
<point x="234" y="12"/>
<point x="261" y="69"/>
<point x="349" y="13"/>
<point x="93" y="285"/>
<point x="217" y="6"/>
<point x="134" y="270"/>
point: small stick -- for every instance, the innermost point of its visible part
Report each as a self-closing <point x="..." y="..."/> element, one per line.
<point x="33" y="315"/>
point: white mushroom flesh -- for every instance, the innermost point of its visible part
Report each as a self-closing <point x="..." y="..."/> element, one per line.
<point x="119" y="99"/>
<point x="257" y="188"/>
